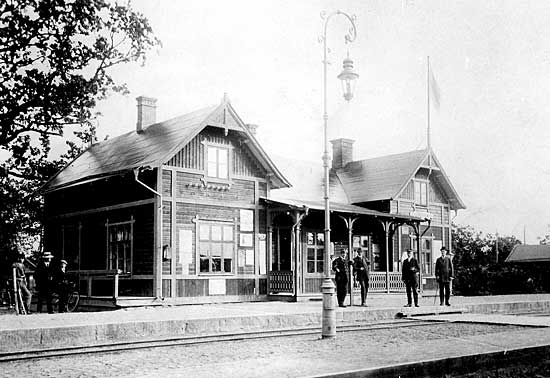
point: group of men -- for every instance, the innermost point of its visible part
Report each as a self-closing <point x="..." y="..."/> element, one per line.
<point x="409" y="273"/>
<point x="49" y="279"/>
<point x="360" y="265"/>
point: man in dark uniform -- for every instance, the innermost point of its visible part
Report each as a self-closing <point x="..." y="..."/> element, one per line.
<point x="340" y="266"/>
<point x="21" y="278"/>
<point x="361" y="269"/>
<point x="410" y="268"/>
<point x="44" y="282"/>
<point x="60" y="278"/>
<point x="444" y="275"/>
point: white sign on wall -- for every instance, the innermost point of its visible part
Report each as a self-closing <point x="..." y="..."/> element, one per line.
<point x="216" y="286"/>
<point x="263" y="253"/>
<point x="185" y="249"/>
<point x="247" y="220"/>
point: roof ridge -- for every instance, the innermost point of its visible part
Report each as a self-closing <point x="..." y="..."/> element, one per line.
<point x="391" y="155"/>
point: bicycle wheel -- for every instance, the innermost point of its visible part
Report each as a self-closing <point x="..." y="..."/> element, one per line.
<point x="72" y="301"/>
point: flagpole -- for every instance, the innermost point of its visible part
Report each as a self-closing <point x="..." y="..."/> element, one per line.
<point x="428" y="88"/>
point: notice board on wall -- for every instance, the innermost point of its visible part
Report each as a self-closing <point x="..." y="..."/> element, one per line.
<point x="185" y="249"/>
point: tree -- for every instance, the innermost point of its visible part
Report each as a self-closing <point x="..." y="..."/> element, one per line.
<point x="545" y="240"/>
<point x="477" y="271"/>
<point x="55" y="62"/>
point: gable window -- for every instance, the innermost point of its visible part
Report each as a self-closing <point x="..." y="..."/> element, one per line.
<point x="315" y="251"/>
<point x="421" y="193"/>
<point x="119" y="244"/>
<point x="216" y="248"/>
<point x="217" y="162"/>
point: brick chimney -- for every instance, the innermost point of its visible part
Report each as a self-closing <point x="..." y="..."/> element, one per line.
<point x="146" y="112"/>
<point x="252" y="128"/>
<point x="342" y="152"/>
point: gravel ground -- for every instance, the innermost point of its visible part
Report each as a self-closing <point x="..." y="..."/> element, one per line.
<point x="280" y="357"/>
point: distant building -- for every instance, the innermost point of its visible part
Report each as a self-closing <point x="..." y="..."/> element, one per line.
<point x="192" y="210"/>
<point x="529" y="254"/>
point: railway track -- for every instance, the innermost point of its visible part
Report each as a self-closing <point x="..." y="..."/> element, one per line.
<point x="203" y="339"/>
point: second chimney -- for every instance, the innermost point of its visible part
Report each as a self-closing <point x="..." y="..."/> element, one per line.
<point x="342" y="152"/>
<point x="146" y="112"/>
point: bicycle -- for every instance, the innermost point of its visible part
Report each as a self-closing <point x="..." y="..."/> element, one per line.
<point x="15" y="298"/>
<point x="73" y="297"/>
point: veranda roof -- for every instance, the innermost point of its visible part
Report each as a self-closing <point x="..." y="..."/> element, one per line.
<point x="339" y="208"/>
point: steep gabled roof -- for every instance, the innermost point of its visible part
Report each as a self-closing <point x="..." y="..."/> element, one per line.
<point x="379" y="178"/>
<point x="385" y="177"/>
<point x="155" y="146"/>
<point x="529" y="253"/>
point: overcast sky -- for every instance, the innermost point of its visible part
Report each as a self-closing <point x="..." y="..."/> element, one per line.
<point x="491" y="60"/>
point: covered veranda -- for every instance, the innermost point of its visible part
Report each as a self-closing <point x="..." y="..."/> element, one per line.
<point x="296" y="244"/>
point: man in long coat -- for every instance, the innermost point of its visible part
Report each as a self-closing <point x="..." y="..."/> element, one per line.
<point x="361" y="269"/>
<point x="409" y="271"/>
<point x="444" y="274"/>
<point x="340" y="267"/>
<point x="44" y="282"/>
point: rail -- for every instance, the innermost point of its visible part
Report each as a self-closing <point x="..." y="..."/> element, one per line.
<point x="204" y="339"/>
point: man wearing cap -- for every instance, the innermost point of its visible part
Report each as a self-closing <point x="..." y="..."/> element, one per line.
<point x="409" y="271"/>
<point x="60" y="279"/>
<point x="444" y="275"/>
<point x="44" y="282"/>
<point x="21" y="277"/>
<point x="340" y="267"/>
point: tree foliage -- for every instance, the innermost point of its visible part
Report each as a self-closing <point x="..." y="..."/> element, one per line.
<point x="478" y="272"/>
<point x="56" y="58"/>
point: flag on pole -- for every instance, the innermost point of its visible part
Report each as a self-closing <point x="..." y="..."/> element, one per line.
<point x="436" y="93"/>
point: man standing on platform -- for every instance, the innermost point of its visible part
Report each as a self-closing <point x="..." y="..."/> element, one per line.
<point x="361" y="269"/>
<point x="340" y="267"/>
<point x="44" y="282"/>
<point x="410" y="269"/>
<point x="21" y="277"/>
<point x="444" y="274"/>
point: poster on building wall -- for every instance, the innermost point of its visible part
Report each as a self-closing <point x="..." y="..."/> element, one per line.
<point x="245" y="240"/>
<point x="241" y="258"/>
<point x="263" y="252"/>
<point x="185" y="249"/>
<point x="247" y="220"/>
<point x="249" y="259"/>
<point x="216" y="287"/>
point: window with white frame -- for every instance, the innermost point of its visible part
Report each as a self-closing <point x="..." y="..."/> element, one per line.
<point x="315" y="242"/>
<point x="119" y="244"/>
<point x="421" y="193"/>
<point x="217" y="162"/>
<point x="216" y="248"/>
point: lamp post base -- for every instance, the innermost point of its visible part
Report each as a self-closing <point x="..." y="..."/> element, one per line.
<point x="329" y="309"/>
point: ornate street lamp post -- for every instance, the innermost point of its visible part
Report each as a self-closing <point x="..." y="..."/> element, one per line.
<point x="347" y="77"/>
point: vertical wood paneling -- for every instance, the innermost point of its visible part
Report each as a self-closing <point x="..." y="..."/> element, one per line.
<point x="166" y="183"/>
<point x="408" y="193"/>
<point x="166" y="233"/>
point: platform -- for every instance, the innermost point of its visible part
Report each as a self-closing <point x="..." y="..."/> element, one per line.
<point x="43" y="331"/>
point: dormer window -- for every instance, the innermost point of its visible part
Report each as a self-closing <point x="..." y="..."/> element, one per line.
<point x="217" y="162"/>
<point x="421" y="193"/>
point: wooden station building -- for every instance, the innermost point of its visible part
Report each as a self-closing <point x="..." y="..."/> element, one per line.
<point x="192" y="210"/>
